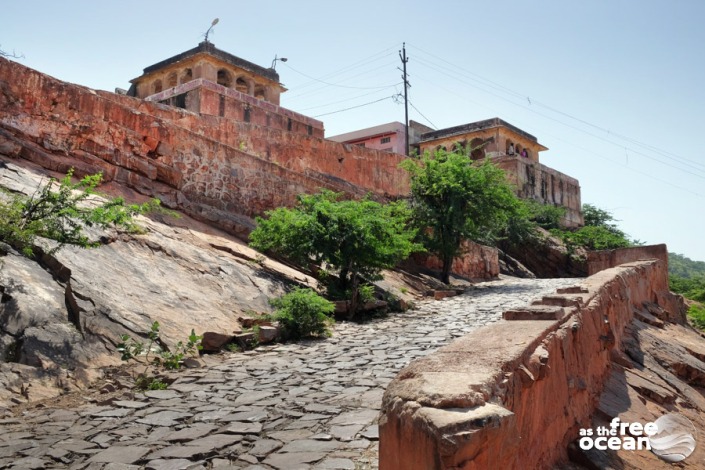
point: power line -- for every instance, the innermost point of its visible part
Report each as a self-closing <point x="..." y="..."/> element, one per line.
<point x="341" y="101"/>
<point x="354" y="107"/>
<point x="422" y="115"/>
<point x="631" y="168"/>
<point x="494" y="85"/>
<point x="338" y="84"/>
<point x="690" y="172"/>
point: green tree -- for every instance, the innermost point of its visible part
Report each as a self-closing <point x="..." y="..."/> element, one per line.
<point x="598" y="233"/>
<point x="356" y="238"/>
<point x="61" y="215"/>
<point x="455" y="199"/>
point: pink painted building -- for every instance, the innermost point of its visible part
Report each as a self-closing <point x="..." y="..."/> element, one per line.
<point x="386" y="137"/>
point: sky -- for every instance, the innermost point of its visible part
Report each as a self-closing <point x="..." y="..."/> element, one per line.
<point x="614" y="88"/>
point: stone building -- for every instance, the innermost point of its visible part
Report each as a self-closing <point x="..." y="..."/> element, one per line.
<point x="209" y="81"/>
<point x="512" y="149"/>
<point x="210" y="63"/>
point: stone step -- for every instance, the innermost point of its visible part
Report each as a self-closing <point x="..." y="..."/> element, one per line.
<point x="535" y="312"/>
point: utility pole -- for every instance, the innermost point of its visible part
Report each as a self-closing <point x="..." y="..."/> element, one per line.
<point x="404" y="60"/>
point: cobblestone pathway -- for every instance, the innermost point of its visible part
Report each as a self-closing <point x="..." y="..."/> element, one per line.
<point x="306" y="405"/>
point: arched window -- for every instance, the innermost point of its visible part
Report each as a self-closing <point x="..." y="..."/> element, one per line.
<point x="477" y="149"/>
<point x="259" y="92"/>
<point x="157" y="86"/>
<point x="186" y="76"/>
<point x="171" y="80"/>
<point x="225" y="78"/>
<point x="241" y="85"/>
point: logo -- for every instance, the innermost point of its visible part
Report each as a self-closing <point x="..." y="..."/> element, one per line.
<point x="671" y="437"/>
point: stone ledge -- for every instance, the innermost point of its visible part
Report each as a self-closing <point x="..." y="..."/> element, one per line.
<point x="534" y="383"/>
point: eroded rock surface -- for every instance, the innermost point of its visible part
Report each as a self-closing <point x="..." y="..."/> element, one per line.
<point x="65" y="316"/>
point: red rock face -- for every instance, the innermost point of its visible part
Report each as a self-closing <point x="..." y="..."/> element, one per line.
<point x="514" y="394"/>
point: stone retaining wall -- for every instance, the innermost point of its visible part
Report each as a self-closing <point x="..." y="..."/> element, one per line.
<point x="514" y="394"/>
<point x="604" y="259"/>
<point x="213" y="168"/>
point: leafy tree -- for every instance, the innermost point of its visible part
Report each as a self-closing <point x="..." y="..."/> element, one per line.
<point x="303" y="313"/>
<point x="356" y="238"/>
<point x="455" y="199"/>
<point x="598" y="233"/>
<point x="61" y="215"/>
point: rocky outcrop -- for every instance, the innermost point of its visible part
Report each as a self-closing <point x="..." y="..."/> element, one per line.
<point x="515" y="394"/>
<point x="65" y="316"/>
<point x="547" y="257"/>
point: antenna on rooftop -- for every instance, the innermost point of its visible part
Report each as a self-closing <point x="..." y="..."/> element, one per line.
<point x="213" y="23"/>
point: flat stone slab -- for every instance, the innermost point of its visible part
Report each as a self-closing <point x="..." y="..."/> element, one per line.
<point x="162" y="394"/>
<point x="163" y="418"/>
<point x="294" y="460"/>
<point x="120" y="454"/>
<point x="216" y="441"/>
<point x="131" y="404"/>
<point x="189" y="434"/>
<point x="336" y="464"/>
<point x="310" y="445"/>
<point x="169" y="464"/>
<point x="244" y="428"/>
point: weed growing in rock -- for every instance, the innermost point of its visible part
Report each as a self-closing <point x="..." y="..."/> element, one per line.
<point x="131" y="350"/>
<point x="302" y="313"/>
<point x="61" y="215"/>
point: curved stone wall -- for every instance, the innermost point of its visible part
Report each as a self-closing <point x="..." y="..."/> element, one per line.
<point x="514" y="394"/>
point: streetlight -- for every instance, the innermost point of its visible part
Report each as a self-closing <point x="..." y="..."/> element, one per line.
<point x="274" y="62"/>
<point x="213" y="23"/>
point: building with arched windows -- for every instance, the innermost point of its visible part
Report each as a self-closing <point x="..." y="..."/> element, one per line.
<point x="210" y="81"/>
<point x="209" y="63"/>
<point x="510" y="148"/>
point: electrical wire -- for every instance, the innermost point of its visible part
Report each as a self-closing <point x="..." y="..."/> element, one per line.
<point x="422" y="115"/>
<point x="355" y="107"/>
<point x="458" y="70"/>
<point x="690" y="172"/>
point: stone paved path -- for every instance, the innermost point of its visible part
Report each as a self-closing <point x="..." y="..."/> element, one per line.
<point x="294" y="406"/>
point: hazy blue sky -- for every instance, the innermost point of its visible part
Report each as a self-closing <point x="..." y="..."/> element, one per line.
<point x="614" y="88"/>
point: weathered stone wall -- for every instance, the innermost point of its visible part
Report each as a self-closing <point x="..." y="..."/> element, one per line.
<point x="539" y="182"/>
<point x="600" y="260"/>
<point x="205" y="97"/>
<point x="212" y="168"/>
<point x="514" y="394"/>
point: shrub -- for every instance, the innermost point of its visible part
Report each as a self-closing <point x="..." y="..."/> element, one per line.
<point x="130" y="349"/>
<point x="302" y="313"/>
<point x="355" y="238"/>
<point x="696" y="312"/>
<point x="61" y="214"/>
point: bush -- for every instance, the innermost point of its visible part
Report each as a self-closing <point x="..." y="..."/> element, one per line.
<point x="60" y="214"/>
<point x="302" y="313"/>
<point x="696" y="312"/>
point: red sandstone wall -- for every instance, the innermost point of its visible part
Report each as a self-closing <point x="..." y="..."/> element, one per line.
<point x="210" y="167"/>
<point x="206" y="97"/>
<point x="605" y="259"/>
<point x="514" y="394"/>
